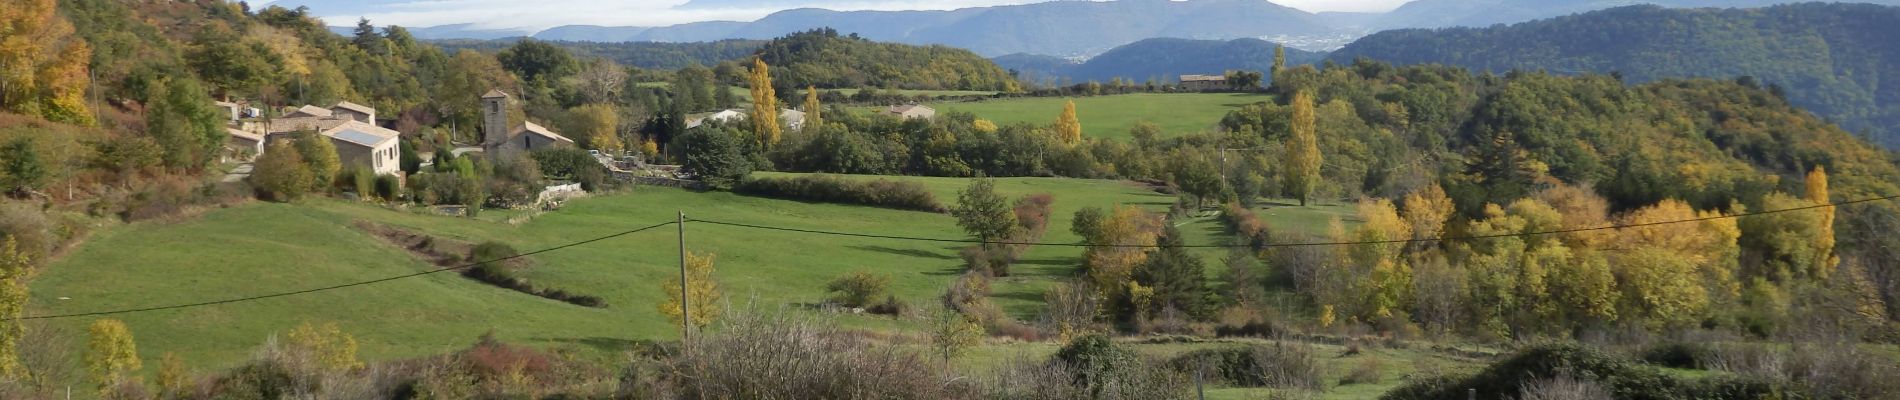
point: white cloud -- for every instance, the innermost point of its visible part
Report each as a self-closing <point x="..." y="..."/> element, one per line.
<point x="541" y="14"/>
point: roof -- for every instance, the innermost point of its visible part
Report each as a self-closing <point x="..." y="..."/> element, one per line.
<point x="1202" y="78"/>
<point x="354" y="107"/>
<point x="240" y="133"/>
<point x="293" y="124"/>
<point x="790" y="114"/>
<point x="361" y="134"/>
<point x="530" y="127"/>
<point x="225" y="104"/>
<point x="310" y="111"/>
<point x="493" y="93"/>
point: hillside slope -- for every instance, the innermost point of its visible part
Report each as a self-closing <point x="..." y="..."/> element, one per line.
<point x="827" y="59"/>
<point x="1836" y="60"/>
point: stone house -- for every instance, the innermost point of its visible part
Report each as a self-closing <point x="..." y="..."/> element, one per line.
<point x="1202" y="83"/>
<point x="910" y="111"/>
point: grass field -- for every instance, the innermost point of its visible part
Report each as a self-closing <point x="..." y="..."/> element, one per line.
<point x="1112" y="116"/>
<point x="262" y="248"/>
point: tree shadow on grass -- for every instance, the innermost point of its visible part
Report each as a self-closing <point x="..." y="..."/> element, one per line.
<point x="1056" y="262"/>
<point x="920" y="253"/>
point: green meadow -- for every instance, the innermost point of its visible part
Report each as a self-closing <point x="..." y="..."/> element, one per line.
<point x="1112" y="116"/>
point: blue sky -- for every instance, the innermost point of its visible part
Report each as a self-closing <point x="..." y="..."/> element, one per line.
<point x="540" y="14"/>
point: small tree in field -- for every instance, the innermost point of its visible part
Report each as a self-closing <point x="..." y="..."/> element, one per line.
<point x="111" y="356"/>
<point x="984" y="213"/>
<point x="701" y="290"/>
<point x="952" y="333"/>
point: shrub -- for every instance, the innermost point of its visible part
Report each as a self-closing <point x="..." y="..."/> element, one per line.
<point x="991" y="259"/>
<point x="891" y="306"/>
<point x="1281" y="365"/>
<point x="859" y="289"/>
<point x="1368" y="371"/>
<point x="1563" y="387"/>
<point x="1676" y="354"/>
<point x="280" y="174"/>
<point x="1095" y="365"/>
<point x="757" y="355"/>
<point x="388" y="187"/>
<point x="1243" y="223"/>
<point x="1621" y="378"/>
<point x="900" y="195"/>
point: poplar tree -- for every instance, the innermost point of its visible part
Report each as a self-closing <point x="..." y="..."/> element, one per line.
<point x="701" y="290"/>
<point x="1302" y="149"/>
<point x="764" y="104"/>
<point x="1816" y="192"/>
<point x="1068" y="126"/>
<point x="813" y="121"/>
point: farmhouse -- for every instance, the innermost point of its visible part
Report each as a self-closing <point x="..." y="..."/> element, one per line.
<point x="1202" y="83"/>
<point x="365" y="146"/>
<point x="793" y="119"/>
<point x="910" y="111"/>
<point x="349" y="126"/>
<point x="498" y="140"/>
<point x="358" y="112"/>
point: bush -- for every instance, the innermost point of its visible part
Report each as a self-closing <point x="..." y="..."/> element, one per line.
<point x="900" y="195"/>
<point x="1676" y="354"/>
<point x="1281" y="365"/>
<point x="713" y="155"/>
<point x="1368" y="371"/>
<point x="1095" y="365"/>
<point x="1621" y="378"/>
<point x="990" y="259"/>
<point x="388" y="187"/>
<point x="859" y="289"/>
<point x="755" y="355"/>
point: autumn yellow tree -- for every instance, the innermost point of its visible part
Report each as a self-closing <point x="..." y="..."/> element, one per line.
<point x="1068" y="126"/>
<point x="329" y="345"/>
<point x="43" y="65"/>
<point x="15" y="268"/>
<point x="814" y="119"/>
<point x="701" y="289"/>
<point x="1669" y="274"/>
<point x="597" y="124"/>
<point x="764" y="104"/>
<point x="1302" y="149"/>
<point x="1386" y="278"/>
<point x="1824" y="258"/>
<point x="111" y="356"/>
<point x="1125" y="231"/>
<point x="172" y="375"/>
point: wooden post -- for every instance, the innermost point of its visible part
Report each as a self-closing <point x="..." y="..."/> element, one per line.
<point x="686" y="314"/>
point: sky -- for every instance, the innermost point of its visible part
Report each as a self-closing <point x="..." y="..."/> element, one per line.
<point x="541" y="14"/>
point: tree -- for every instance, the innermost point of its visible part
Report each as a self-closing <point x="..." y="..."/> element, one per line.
<point x="713" y="155"/>
<point x="228" y="62"/>
<point x="601" y="80"/>
<point x="1387" y="278"/>
<point x="813" y="118"/>
<point x="411" y="161"/>
<point x="1279" y="59"/>
<point x="597" y="125"/>
<point x="953" y="333"/>
<point x="172" y="376"/>
<point x="20" y="166"/>
<point x="1302" y="149"/>
<point x="1816" y="192"/>
<point x="331" y="347"/>
<point x="764" y="104"/>
<point x="1123" y="239"/>
<point x="320" y="155"/>
<point x="111" y="356"/>
<point x="184" y="122"/>
<point x="366" y="38"/>
<point x="701" y="290"/>
<point x="43" y="65"/>
<point x="534" y="60"/>
<point x="16" y="267"/>
<point x="983" y="213"/>
<point x="280" y="173"/>
<point x="1179" y="279"/>
<point x="1068" y="126"/>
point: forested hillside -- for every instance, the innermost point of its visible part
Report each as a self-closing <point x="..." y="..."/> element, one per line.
<point x="1161" y="60"/>
<point x="648" y="55"/>
<point x="825" y="58"/>
<point x="1834" y="59"/>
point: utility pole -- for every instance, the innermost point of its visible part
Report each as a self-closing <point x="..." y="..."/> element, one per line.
<point x="686" y="314"/>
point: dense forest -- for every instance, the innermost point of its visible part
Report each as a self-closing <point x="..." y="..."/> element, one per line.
<point x="1833" y="59"/>
<point x="827" y="59"/>
<point x="648" y="55"/>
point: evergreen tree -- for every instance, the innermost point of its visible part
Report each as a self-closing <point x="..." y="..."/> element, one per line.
<point x="1179" y="279"/>
<point x="20" y="166"/>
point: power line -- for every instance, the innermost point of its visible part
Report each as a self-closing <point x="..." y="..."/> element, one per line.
<point x="1395" y="241"/>
<point x="334" y="287"/>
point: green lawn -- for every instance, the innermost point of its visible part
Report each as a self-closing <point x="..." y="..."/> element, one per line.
<point x="1112" y="116"/>
<point x="262" y="248"/>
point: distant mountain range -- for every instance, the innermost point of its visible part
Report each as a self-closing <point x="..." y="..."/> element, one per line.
<point x="1066" y="28"/>
<point x="1161" y="59"/>
<point x="1839" y="61"/>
